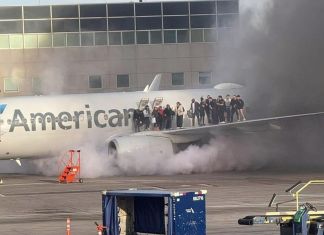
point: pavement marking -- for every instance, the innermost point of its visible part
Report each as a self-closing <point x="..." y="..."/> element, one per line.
<point x="1" y="195"/>
<point x="238" y="206"/>
<point x="27" y="184"/>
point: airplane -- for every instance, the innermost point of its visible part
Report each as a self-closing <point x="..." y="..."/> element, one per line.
<point x="44" y="126"/>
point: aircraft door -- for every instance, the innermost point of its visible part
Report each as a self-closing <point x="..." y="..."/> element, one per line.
<point x="157" y="102"/>
<point x="143" y="103"/>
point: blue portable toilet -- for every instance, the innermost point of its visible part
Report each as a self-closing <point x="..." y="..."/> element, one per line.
<point x="127" y="212"/>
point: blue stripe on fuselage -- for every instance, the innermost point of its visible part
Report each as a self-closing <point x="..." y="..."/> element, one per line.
<point x="2" y="108"/>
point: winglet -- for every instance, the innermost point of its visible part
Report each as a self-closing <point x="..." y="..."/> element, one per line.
<point x="155" y="85"/>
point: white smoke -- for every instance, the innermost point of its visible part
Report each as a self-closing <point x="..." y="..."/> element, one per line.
<point x="216" y="156"/>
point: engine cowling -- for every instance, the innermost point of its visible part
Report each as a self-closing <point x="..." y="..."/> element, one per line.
<point x="125" y="145"/>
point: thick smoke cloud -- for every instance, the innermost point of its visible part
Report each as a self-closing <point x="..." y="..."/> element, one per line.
<point x="278" y="56"/>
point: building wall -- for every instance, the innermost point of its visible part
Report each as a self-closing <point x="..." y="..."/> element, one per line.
<point x="36" y="69"/>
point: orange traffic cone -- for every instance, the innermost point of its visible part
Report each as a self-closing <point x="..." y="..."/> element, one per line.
<point x="68" y="226"/>
<point x="100" y="228"/>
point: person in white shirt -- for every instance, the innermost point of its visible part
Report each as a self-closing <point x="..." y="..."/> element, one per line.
<point x="179" y="110"/>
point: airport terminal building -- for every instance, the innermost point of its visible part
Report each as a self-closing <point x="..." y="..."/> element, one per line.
<point x="82" y="48"/>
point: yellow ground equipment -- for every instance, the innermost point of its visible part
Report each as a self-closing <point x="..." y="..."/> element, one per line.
<point x="305" y="219"/>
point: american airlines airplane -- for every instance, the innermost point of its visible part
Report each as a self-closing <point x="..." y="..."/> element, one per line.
<point x="43" y="126"/>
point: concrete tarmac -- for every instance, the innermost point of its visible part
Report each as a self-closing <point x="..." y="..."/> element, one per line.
<point x="38" y="205"/>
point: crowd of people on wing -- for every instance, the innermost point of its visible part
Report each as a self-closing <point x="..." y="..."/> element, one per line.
<point x="214" y="110"/>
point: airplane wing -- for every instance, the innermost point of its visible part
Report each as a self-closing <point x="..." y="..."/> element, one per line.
<point x="187" y="135"/>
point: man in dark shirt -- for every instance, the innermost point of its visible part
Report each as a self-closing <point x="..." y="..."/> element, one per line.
<point x="214" y="111"/>
<point x="234" y="108"/>
<point x="240" y="107"/>
<point x="202" y="108"/>
<point x="221" y="109"/>
<point x="194" y="108"/>
<point x="168" y="113"/>
<point x="136" y="120"/>
<point x="208" y="108"/>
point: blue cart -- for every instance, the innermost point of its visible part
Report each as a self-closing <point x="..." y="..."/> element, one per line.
<point x="127" y="212"/>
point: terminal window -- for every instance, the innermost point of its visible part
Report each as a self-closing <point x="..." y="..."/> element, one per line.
<point x="10" y="13"/>
<point x="177" y="79"/>
<point x="11" y="85"/>
<point x="37" y="85"/>
<point x="95" y="82"/>
<point x="128" y="38"/>
<point x="65" y="11"/>
<point x="122" y="80"/>
<point x="175" y="8"/>
<point x="204" y="78"/>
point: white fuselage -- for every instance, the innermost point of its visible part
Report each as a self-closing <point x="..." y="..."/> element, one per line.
<point x="73" y="120"/>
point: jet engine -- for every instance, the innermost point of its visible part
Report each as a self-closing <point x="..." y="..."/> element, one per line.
<point x="148" y="145"/>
